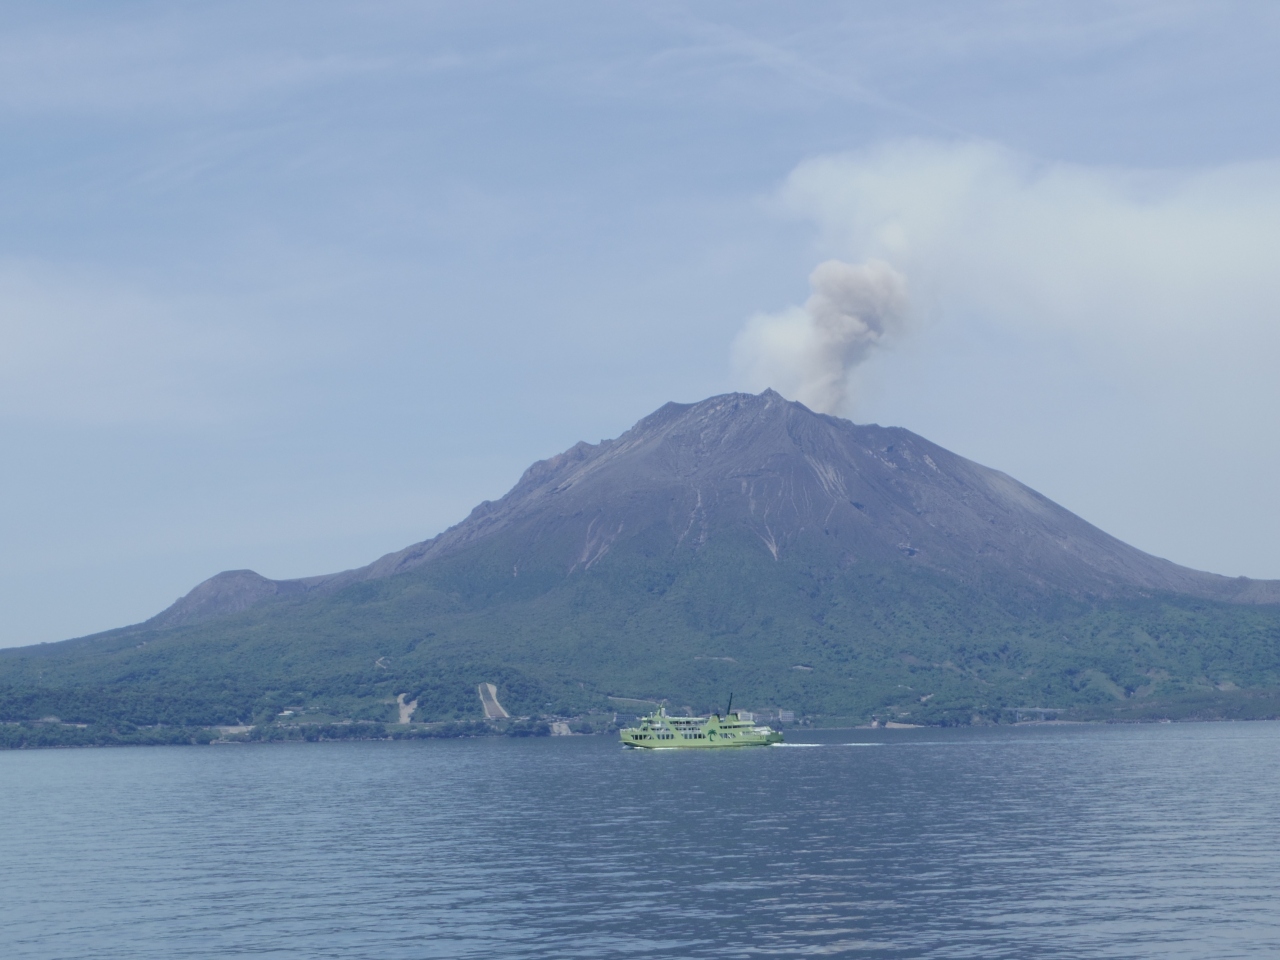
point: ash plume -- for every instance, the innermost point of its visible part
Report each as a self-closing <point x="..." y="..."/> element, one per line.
<point x="808" y="353"/>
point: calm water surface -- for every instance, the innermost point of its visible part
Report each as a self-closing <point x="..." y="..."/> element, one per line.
<point x="1152" y="841"/>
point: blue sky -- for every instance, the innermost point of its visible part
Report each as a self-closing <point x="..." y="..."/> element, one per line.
<point x="287" y="286"/>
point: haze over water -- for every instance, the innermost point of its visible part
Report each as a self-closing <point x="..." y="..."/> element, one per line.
<point x="1137" y="841"/>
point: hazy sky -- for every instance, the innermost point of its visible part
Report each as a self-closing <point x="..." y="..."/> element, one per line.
<point x="287" y="286"/>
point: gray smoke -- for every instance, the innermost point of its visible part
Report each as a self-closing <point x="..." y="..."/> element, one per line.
<point x="807" y="353"/>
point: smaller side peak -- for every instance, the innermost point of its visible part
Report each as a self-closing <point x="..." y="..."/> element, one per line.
<point x="235" y="575"/>
<point x="227" y="592"/>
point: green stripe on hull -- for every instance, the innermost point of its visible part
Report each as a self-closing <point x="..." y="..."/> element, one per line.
<point x="661" y="732"/>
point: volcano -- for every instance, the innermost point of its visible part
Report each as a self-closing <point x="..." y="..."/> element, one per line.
<point x="742" y="542"/>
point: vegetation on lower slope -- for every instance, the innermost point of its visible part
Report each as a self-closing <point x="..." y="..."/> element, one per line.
<point x="854" y="641"/>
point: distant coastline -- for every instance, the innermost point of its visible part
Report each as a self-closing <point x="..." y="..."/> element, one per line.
<point x="49" y="735"/>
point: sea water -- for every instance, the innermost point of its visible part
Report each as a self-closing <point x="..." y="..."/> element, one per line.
<point x="1035" y="842"/>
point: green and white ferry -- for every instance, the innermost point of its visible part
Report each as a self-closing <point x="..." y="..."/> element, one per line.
<point x="658" y="731"/>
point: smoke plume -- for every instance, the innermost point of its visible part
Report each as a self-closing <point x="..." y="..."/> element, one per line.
<point x="807" y="353"/>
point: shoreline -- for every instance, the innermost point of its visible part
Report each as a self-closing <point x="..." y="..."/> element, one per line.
<point x="86" y="736"/>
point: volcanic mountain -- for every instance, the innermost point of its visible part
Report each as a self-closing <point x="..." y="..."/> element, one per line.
<point x="743" y="542"/>
<point x="779" y="477"/>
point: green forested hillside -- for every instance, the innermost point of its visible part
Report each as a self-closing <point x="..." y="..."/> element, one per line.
<point x="890" y="640"/>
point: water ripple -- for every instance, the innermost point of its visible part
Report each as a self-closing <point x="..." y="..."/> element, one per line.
<point x="1160" y="841"/>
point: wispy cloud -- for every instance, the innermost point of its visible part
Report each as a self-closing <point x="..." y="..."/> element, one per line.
<point x="1129" y="266"/>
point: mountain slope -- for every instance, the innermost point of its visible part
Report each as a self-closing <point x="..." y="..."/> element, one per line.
<point x="741" y="543"/>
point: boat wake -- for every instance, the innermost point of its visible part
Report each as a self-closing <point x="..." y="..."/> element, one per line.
<point x="801" y="744"/>
<point x="828" y="744"/>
